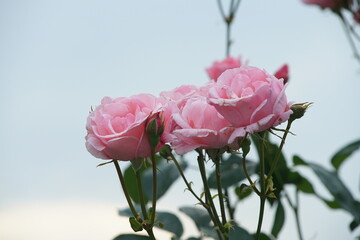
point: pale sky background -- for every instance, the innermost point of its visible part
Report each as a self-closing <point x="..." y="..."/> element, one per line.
<point x="58" y="58"/>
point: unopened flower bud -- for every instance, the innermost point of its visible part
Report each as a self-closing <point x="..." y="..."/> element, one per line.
<point x="283" y="73"/>
<point x="165" y="152"/>
<point x="299" y="110"/>
<point x="154" y="129"/>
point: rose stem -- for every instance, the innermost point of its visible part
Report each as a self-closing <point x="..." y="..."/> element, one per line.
<point x="219" y="188"/>
<point x="207" y="190"/>
<point x="153" y="161"/>
<point x="126" y="193"/>
<point x="188" y="185"/>
<point x="141" y="194"/>
<point x="263" y="187"/>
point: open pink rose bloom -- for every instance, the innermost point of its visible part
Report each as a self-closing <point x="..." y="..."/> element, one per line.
<point x="116" y="128"/>
<point x="197" y="124"/>
<point x="243" y="100"/>
<point x="250" y="99"/>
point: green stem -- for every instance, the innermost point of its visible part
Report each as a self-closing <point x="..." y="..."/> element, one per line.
<point x="297" y="218"/>
<point x="348" y="35"/>
<point x="220" y="189"/>
<point x="153" y="161"/>
<point x="141" y="194"/>
<point x="261" y="217"/>
<point x="188" y="185"/>
<point x="249" y="178"/>
<point x="277" y="156"/>
<point x="230" y="208"/>
<point x="262" y="187"/>
<point x="207" y="191"/>
<point x="126" y="193"/>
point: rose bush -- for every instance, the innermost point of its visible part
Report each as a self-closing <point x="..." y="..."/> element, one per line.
<point x="116" y="128"/>
<point x="250" y="99"/>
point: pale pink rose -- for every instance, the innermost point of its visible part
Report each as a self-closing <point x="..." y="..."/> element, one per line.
<point x="179" y="93"/>
<point x="116" y="128"/>
<point x="198" y="125"/>
<point x="250" y="99"/>
<point x="283" y="72"/>
<point x="218" y="67"/>
<point x="333" y="4"/>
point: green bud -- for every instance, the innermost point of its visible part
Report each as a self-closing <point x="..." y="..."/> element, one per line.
<point x="299" y="110"/>
<point x="154" y="129"/>
<point x="165" y="152"/>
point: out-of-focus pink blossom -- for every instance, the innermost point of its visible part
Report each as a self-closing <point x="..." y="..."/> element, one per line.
<point x="218" y="67"/>
<point x="283" y="72"/>
<point x="332" y="4"/>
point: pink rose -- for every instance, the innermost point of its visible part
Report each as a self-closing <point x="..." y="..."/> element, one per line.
<point x="179" y="93"/>
<point x="218" y="67"/>
<point x="333" y="4"/>
<point x="283" y="73"/>
<point x="198" y="125"/>
<point x="250" y="99"/>
<point x="116" y="128"/>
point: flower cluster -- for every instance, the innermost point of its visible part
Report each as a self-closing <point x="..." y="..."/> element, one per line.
<point x="238" y="99"/>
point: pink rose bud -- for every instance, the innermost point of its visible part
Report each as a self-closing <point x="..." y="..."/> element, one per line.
<point x="116" y="128"/>
<point x="283" y="73"/>
<point x="250" y="99"/>
<point x="198" y="125"/>
<point x="218" y="67"/>
<point x="154" y="129"/>
<point x="332" y="4"/>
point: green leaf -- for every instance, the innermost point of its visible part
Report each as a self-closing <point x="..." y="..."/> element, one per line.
<point x="131" y="184"/>
<point x="279" y="219"/>
<point x="135" y="225"/>
<point x="167" y="174"/>
<point x="232" y="171"/>
<point x="237" y="233"/>
<point x="298" y="161"/>
<point x="131" y="237"/>
<point x="263" y="236"/>
<point x="331" y="204"/>
<point x="337" y="188"/>
<point x="354" y="224"/>
<point x="193" y="238"/>
<point x="305" y="186"/>
<point x="338" y="159"/>
<point x="137" y="163"/>
<point x="199" y="215"/>
<point x="171" y="223"/>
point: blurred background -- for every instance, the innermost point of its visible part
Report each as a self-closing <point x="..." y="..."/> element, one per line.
<point x="59" y="58"/>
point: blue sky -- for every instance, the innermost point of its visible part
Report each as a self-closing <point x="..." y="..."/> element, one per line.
<point x="58" y="58"/>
